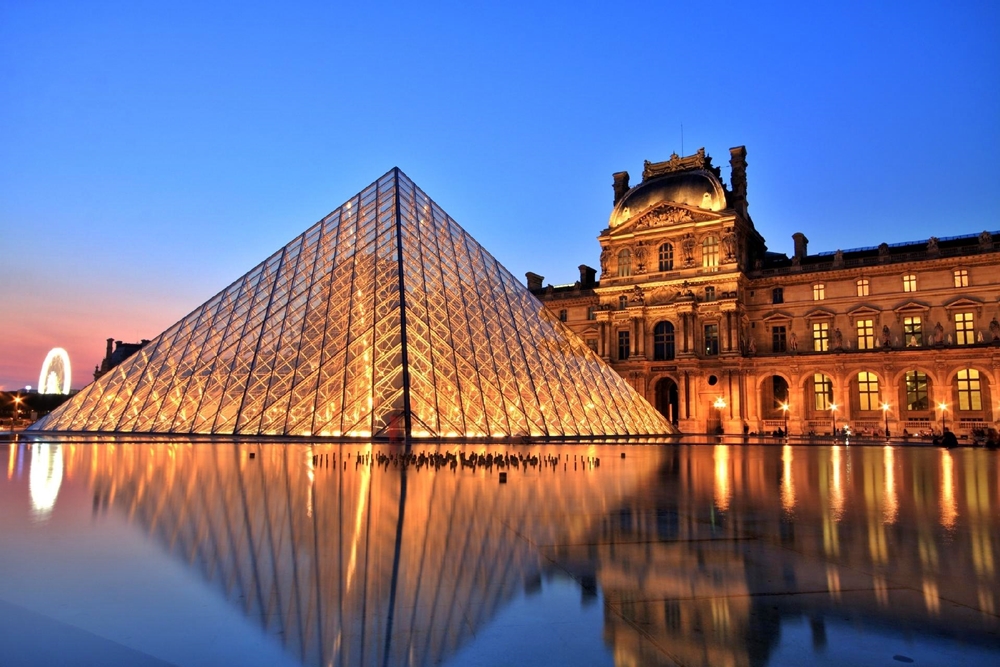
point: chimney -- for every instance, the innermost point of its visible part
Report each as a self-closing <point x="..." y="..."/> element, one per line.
<point x="620" y="185"/>
<point x="800" y="245"/>
<point x="738" y="178"/>
<point x="534" y="281"/>
<point x="107" y="353"/>
<point x="587" y="276"/>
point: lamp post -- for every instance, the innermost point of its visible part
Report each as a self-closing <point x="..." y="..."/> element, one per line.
<point x="942" y="407"/>
<point x="720" y="405"/>
<point x="833" y="419"/>
<point x="885" y="413"/>
<point x="17" y="406"/>
<point x="784" y="410"/>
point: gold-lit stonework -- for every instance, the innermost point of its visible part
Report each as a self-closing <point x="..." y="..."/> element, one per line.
<point x="384" y="319"/>
<point x="691" y="306"/>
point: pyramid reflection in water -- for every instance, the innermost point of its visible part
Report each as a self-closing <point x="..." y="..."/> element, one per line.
<point x="350" y="564"/>
<point x="385" y="318"/>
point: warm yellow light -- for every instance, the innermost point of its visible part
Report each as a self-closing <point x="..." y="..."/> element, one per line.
<point x="720" y="403"/>
<point x="942" y="406"/>
<point x="885" y="407"/>
<point x="834" y="406"/>
<point x="784" y="407"/>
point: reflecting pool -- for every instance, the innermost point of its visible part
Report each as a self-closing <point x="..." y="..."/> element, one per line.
<point x="237" y="552"/>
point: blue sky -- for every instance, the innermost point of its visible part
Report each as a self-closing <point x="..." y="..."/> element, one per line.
<point x="150" y="153"/>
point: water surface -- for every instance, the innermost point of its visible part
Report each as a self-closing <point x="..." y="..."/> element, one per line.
<point x="186" y="553"/>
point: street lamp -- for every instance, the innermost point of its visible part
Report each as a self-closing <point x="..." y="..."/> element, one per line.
<point x="885" y="413"/>
<point x="720" y="405"/>
<point x="784" y="410"/>
<point x="17" y="406"/>
<point x="833" y="419"/>
<point x="942" y="406"/>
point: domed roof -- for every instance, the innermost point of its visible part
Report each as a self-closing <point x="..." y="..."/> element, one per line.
<point x="667" y="182"/>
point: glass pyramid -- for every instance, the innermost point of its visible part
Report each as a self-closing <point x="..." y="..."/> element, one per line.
<point x="384" y="319"/>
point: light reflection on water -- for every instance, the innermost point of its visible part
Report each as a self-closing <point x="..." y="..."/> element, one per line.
<point x="698" y="554"/>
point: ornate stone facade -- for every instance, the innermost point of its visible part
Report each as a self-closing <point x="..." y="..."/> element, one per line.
<point x="691" y="308"/>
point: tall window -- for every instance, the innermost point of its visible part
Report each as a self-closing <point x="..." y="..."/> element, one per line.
<point x="916" y="391"/>
<point x="779" y="390"/>
<point x="591" y="313"/>
<point x="622" y="302"/>
<point x="710" y="293"/>
<point x="819" y="292"/>
<point x="822" y="392"/>
<point x="563" y="315"/>
<point x="821" y="336"/>
<point x="961" y="277"/>
<point x="909" y="283"/>
<point x="779" y="339"/>
<point x="970" y="395"/>
<point x="867" y="391"/>
<point x="592" y="344"/>
<point x="777" y="295"/>
<point x="711" y="339"/>
<point x="623" y="344"/>
<point x="913" y="331"/>
<point x="866" y="334"/>
<point x="624" y="263"/>
<point x="667" y="257"/>
<point x="964" y="329"/>
<point x="710" y="252"/>
<point x="663" y="341"/>
<point x="863" y="287"/>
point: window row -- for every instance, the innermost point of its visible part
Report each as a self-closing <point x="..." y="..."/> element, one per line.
<point x="865" y="389"/>
<point x="665" y="259"/>
<point x="863" y="285"/>
<point x="914" y="334"/>
<point x="969" y="393"/>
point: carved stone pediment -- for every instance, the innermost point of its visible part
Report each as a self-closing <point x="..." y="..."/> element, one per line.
<point x="660" y="295"/>
<point x="666" y="215"/>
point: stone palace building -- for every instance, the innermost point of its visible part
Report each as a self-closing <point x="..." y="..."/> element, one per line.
<point x="720" y="334"/>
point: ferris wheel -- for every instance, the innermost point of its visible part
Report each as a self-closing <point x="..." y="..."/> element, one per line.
<point x="55" y="377"/>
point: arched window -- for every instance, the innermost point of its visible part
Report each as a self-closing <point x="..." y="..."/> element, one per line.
<point x="667" y="257"/>
<point x="663" y="341"/>
<point x="710" y="252"/>
<point x="624" y="263"/>
<point x="970" y="393"/>
<point x="867" y="391"/>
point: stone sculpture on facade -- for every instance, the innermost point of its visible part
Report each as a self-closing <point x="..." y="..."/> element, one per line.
<point x="687" y="247"/>
<point x="995" y="329"/>
<point x="838" y="339"/>
<point x="729" y="245"/>
<point x="886" y="336"/>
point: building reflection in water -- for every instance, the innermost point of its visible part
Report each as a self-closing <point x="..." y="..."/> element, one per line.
<point x="702" y="553"/>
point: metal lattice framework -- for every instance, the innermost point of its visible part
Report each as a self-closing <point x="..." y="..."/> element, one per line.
<point x="384" y="318"/>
